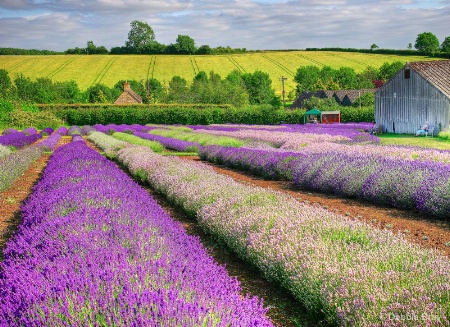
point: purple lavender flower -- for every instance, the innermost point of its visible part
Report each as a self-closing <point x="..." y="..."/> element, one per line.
<point x="19" y="140"/>
<point x="47" y="131"/>
<point x="62" y="130"/>
<point x="170" y="143"/>
<point x="86" y="246"/>
<point x="50" y="142"/>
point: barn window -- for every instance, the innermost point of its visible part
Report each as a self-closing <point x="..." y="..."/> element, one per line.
<point x="407" y="73"/>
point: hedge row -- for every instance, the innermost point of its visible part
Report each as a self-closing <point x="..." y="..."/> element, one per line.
<point x="194" y="115"/>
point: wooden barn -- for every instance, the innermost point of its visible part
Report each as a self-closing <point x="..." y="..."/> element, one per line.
<point x="419" y="93"/>
<point x="128" y="96"/>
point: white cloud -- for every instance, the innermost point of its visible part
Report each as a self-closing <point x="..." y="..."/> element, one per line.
<point x="257" y="24"/>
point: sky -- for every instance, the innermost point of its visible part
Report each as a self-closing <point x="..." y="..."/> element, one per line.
<point x="252" y="24"/>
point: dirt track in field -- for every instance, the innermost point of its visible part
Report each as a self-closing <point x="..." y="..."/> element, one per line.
<point x="428" y="232"/>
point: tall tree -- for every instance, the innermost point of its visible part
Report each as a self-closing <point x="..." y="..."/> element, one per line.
<point x="347" y="78"/>
<point x="140" y="36"/>
<point x="306" y="77"/>
<point x="445" y="46"/>
<point x="5" y="82"/>
<point x="259" y="87"/>
<point x="184" y="45"/>
<point x="427" y="42"/>
<point x="388" y="70"/>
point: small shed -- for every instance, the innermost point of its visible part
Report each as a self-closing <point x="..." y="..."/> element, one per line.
<point x="330" y="117"/>
<point x="128" y="96"/>
<point x="312" y="116"/>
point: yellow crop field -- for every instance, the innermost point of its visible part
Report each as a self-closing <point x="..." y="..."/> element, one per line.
<point x="108" y="69"/>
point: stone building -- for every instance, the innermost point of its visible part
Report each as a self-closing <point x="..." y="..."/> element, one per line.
<point x="128" y="96"/>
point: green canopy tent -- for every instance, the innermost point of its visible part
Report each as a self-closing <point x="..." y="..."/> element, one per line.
<point x="313" y="112"/>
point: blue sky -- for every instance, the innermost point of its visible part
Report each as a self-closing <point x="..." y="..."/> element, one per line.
<point x="252" y="24"/>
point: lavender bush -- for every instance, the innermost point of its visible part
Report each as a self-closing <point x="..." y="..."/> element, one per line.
<point x="19" y="140"/>
<point x="392" y="176"/>
<point x="89" y="253"/>
<point x="354" y="274"/>
<point x="170" y="143"/>
<point x="74" y="130"/>
<point x="30" y="131"/>
<point x="62" y="130"/>
<point x="87" y="129"/>
<point x="50" y="142"/>
<point x="4" y="151"/>
<point x="113" y="128"/>
<point x="47" y="131"/>
<point x="9" y="131"/>
<point x="12" y="166"/>
<point x="107" y="143"/>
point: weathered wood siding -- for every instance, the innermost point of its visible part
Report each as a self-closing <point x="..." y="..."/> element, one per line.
<point x="406" y="104"/>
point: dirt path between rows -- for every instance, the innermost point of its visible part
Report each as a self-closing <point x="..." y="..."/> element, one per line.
<point x="428" y="232"/>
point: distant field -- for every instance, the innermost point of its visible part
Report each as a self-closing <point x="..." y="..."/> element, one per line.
<point x="108" y="69"/>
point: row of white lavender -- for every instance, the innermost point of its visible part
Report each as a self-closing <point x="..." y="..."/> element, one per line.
<point x="90" y="253"/>
<point x="321" y="143"/>
<point x="14" y="164"/>
<point x="355" y="275"/>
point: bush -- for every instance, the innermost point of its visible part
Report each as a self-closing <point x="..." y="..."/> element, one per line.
<point x="174" y="114"/>
<point x="40" y="120"/>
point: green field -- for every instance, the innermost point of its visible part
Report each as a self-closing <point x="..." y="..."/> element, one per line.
<point x="108" y="69"/>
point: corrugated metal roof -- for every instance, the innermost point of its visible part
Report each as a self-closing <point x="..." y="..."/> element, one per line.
<point x="436" y="72"/>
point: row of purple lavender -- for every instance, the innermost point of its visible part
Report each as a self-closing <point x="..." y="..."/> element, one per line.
<point x="352" y="273"/>
<point x="19" y="139"/>
<point x="89" y="253"/>
<point x="389" y="180"/>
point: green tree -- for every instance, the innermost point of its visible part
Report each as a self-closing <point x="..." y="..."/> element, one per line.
<point x="347" y="78"/>
<point x="5" y="83"/>
<point x="321" y="104"/>
<point x="328" y="79"/>
<point x="178" y="90"/>
<point x="259" y="87"/>
<point x="100" y="93"/>
<point x="388" y="70"/>
<point x="306" y="77"/>
<point x="445" y="46"/>
<point x="91" y="48"/>
<point x="26" y="89"/>
<point x="155" y="89"/>
<point x="184" y="45"/>
<point x="204" y="50"/>
<point x="374" y="47"/>
<point x="365" y="100"/>
<point x="366" y="78"/>
<point x="140" y="36"/>
<point x="409" y="46"/>
<point x="427" y="42"/>
<point x="235" y="77"/>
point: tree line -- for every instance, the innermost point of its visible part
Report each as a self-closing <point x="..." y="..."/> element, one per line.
<point x="312" y="78"/>
<point x="237" y="89"/>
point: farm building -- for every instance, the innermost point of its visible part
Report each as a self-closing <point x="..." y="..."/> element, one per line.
<point x="128" y="96"/>
<point x="419" y="93"/>
<point x="342" y="97"/>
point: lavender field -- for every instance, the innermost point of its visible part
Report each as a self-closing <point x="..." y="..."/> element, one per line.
<point x="94" y="248"/>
